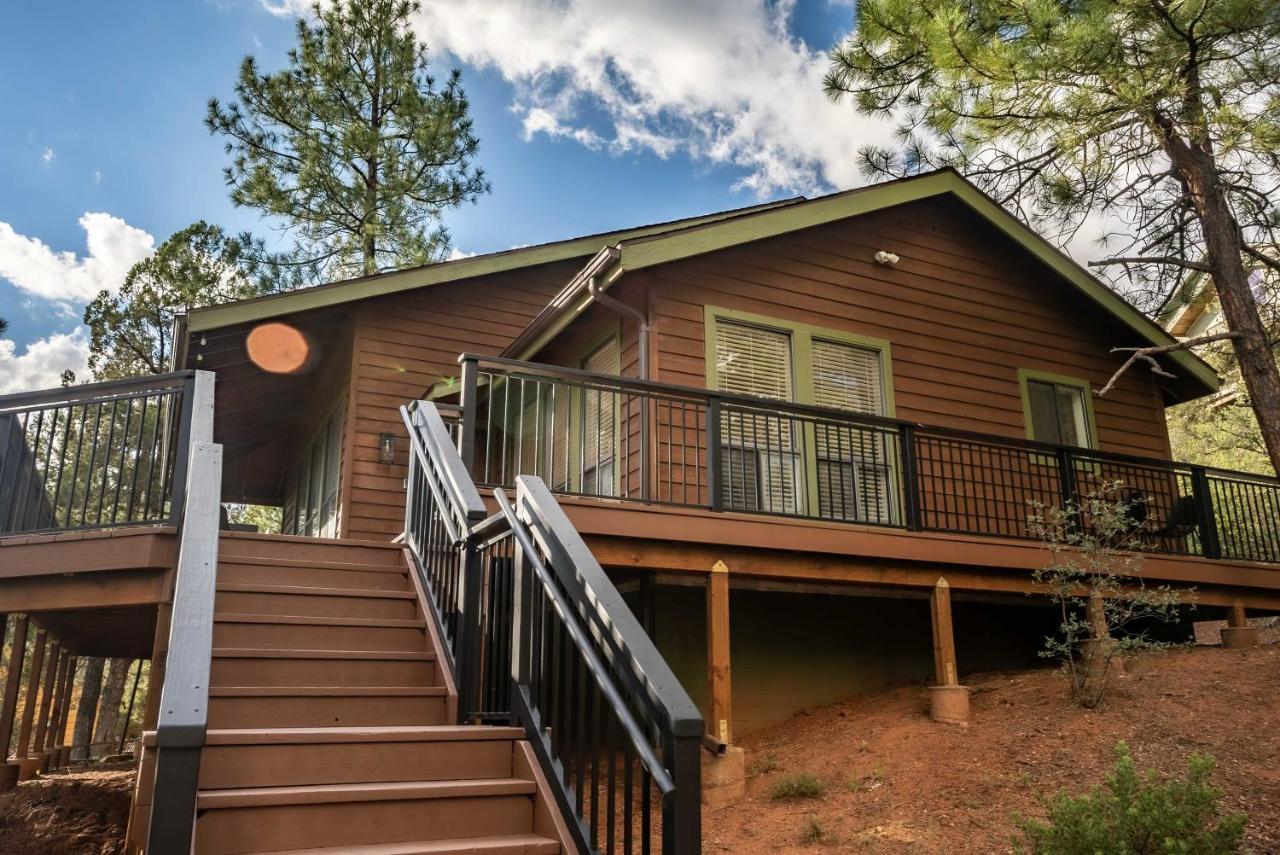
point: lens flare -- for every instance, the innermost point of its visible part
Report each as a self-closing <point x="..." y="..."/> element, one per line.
<point x="280" y="349"/>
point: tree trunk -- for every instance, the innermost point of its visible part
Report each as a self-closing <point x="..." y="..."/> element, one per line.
<point x="107" y="730"/>
<point x="1225" y="250"/>
<point x="86" y="710"/>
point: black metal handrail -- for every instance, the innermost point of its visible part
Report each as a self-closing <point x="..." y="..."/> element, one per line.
<point x="100" y="455"/>
<point x="540" y="637"/>
<point x="585" y="434"/>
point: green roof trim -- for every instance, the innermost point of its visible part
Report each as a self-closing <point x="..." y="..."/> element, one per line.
<point x="378" y="285"/>
<point x="642" y="251"/>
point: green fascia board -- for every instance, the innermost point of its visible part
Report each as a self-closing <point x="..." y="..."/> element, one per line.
<point x="647" y="251"/>
<point x="381" y="284"/>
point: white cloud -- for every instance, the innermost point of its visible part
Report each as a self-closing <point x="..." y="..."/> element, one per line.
<point x="41" y="364"/>
<point x="114" y="246"/>
<point x="47" y="155"/>
<point x="723" y="81"/>
<point x="97" y="176"/>
<point x="455" y="254"/>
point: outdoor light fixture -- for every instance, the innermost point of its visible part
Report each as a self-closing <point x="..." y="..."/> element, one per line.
<point x="386" y="448"/>
<point x="888" y="259"/>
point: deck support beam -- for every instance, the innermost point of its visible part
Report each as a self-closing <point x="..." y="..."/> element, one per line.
<point x="9" y="706"/>
<point x="20" y="753"/>
<point x="719" y="674"/>
<point x="1238" y="633"/>
<point x="724" y="775"/>
<point x="948" y="700"/>
<point x="52" y="676"/>
<point x="58" y="740"/>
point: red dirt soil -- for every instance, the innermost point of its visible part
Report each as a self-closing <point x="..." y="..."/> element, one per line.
<point x="898" y="782"/>
<point x="84" y="811"/>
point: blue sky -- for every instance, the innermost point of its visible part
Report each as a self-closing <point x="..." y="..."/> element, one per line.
<point x="591" y="115"/>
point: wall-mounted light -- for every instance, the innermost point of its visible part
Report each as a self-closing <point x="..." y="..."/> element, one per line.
<point x="888" y="259"/>
<point x="386" y="448"/>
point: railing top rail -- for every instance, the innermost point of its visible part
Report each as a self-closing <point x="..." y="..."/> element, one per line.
<point x="422" y="420"/>
<point x="578" y="636"/>
<point x="103" y="390"/>
<point x="651" y="387"/>
<point x="664" y="688"/>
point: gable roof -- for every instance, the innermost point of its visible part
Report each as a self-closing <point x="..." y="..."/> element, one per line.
<point x="638" y="252"/>
<point x="379" y="284"/>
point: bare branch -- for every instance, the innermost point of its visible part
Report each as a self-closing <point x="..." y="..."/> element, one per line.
<point x="1149" y="354"/>
<point x="1153" y="259"/>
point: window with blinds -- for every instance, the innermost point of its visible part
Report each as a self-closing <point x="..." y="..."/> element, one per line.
<point x="599" y="434"/>
<point x="761" y="465"/>
<point x="854" y="464"/>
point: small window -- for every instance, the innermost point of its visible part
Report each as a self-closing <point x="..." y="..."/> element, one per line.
<point x="1059" y="413"/>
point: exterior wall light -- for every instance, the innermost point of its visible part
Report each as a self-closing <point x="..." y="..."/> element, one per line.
<point x="888" y="259"/>
<point x="386" y="448"/>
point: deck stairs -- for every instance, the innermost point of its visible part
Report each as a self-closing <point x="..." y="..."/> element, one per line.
<point x="331" y="720"/>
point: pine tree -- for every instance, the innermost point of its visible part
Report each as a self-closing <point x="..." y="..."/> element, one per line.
<point x="352" y="145"/>
<point x="1162" y="113"/>
<point x="130" y="331"/>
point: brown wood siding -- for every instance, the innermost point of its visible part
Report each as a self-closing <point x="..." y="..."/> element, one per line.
<point x="403" y="344"/>
<point x="964" y="309"/>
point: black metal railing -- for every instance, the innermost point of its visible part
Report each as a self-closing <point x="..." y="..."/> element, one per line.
<point x="540" y="637"/>
<point x="598" y="435"/>
<point x="94" y="456"/>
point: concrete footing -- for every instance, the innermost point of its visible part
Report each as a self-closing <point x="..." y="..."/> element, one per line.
<point x="949" y="704"/>
<point x="29" y="767"/>
<point x="1238" y="637"/>
<point x="724" y="777"/>
<point x="8" y="776"/>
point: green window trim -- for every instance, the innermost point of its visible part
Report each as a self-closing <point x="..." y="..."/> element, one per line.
<point x="802" y="336"/>
<point x="1027" y="375"/>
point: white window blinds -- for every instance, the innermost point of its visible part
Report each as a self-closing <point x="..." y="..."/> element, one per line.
<point x="600" y="422"/>
<point x="753" y="361"/>
<point x="847" y="377"/>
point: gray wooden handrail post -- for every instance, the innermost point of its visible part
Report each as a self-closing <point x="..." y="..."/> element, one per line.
<point x="184" y="697"/>
<point x="470" y="407"/>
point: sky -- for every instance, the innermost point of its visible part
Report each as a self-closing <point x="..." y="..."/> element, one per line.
<point x="591" y="114"/>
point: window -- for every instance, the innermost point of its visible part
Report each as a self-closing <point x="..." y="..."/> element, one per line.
<point x="600" y="423"/>
<point x="1058" y="410"/>
<point x="782" y="464"/>
<point x="316" y="480"/>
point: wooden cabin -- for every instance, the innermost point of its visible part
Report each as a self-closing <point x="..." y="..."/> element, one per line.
<point x="802" y="441"/>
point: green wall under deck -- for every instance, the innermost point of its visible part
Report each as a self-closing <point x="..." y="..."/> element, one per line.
<point x="791" y="651"/>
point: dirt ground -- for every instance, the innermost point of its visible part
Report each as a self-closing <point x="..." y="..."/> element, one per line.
<point x="78" y="812"/>
<point x="896" y="782"/>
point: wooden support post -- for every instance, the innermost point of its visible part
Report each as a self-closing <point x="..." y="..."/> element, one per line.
<point x="948" y="700"/>
<point x="64" y="713"/>
<point x="12" y="684"/>
<point x="155" y="679"/>
<point x="9" y="711"/>
<point x="48" y="744"/>
<point x="944" y="641"/>
<point x="1238" y="634"/>
<point x="22" y="750"/>
<point x="50" y="683"/>
<point x="1237" y="618"/>
<point x="718" y="668"/>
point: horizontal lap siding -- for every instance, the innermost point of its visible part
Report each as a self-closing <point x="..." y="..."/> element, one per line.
<point x="964" y="309"/>
<point x="405" y="343"/>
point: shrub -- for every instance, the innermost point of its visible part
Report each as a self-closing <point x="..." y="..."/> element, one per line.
<point x="1137" y="814"/>
<point x="813" y="832"/>
<point x="800" y="786"/>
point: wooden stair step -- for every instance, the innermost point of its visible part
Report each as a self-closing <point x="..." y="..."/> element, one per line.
<point x="337" y="755"/>
<point x="300" y="600"/>
<point x="344" y="793"/>
<point x="293" y="548"/>
<point x="507" y="844"/>
<point x="274" y="818"/>
<point x="338" y="668"/>
<point x="322" y="706"/>
<point x="303" y="632"/>
<point x="252" y="570"/>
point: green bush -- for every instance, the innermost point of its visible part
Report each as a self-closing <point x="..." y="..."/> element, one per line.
<point x="1138" y="815"/>
<point x="801" y="786"/>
